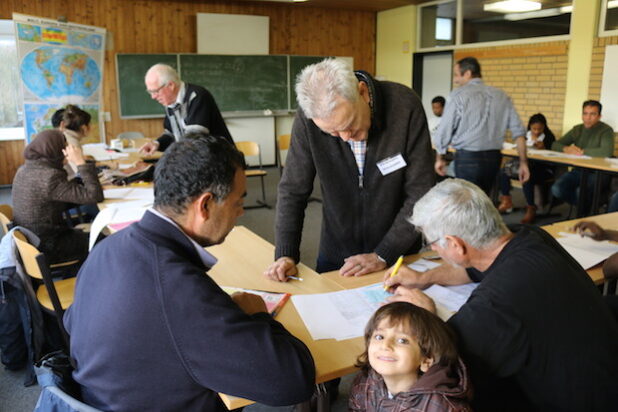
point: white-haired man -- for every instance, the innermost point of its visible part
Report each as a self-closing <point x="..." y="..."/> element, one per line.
<point x="368" y="142"/>
<point x="536" y="332"/>
<point x="188" y="108"/>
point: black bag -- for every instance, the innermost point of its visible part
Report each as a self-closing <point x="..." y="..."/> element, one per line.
<point x="146" y="175"/>
<point x="56" y="369"/>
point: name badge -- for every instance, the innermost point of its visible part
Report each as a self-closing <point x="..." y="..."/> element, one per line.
<point x="391" y="164"/>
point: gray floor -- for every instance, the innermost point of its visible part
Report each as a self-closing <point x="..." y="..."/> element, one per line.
<point x="14" y="397"/>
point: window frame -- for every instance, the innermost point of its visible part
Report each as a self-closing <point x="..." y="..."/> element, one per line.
<point x="602" y="18"/>
<point x="459" y="33"/>
<point x="12" y="133"/>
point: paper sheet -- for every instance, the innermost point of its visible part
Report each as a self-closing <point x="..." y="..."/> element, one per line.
<point x="136" y="193"/>
<point x="585" y="251"/>
<point x="449" y="299"/>
<point x="100" y="153"/>
<point x="423" y="265"/>
<point x="116" y="213"/>
<point x="551" y="153"/>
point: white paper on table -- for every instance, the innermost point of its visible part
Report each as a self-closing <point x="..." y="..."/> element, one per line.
<point x="135" y="193"/>
<point x="507" y="145"/>
<point x="116" y="213"/>
<point x="552" y="153"/>
<point x="102" y="219"/>
<point x="100" y="153"/>
<point x="423" y="265"/>
<point x="449" y="299"/>
<point x="119" y="193"/>
<point x="339" y="315"/>
<point x="584" y="250"/>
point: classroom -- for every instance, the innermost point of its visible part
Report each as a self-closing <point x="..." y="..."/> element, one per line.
<point x="553" y="58"/>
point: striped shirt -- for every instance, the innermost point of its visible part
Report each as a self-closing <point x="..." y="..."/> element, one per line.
<point x="476" y="118"/>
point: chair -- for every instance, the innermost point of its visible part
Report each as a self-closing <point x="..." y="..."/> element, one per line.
<point x="283" y="144"/>
<point x="253" y="149"/>
<point x="6" y="217"/>
<point x="54" y="297"/>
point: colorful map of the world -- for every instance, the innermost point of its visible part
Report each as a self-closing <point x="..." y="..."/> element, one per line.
<point x="53" y="72"/>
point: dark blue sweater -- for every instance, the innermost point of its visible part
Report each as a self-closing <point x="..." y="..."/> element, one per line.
<point x="150" y="330"/>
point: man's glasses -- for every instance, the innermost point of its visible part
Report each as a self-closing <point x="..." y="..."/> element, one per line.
<point x="157" y="90"/>
<point x="427" y="244"/>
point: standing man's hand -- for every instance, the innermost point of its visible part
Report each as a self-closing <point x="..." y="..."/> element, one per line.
<point x="440" y="165"/>
<point x="149" y="148"/>
<point x="281" y="268"/>
<point x="359" y="265"/>
<point x="524" y="171"/>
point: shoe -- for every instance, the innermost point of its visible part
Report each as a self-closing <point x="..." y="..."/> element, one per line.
<point x="530" y="215"/>
<point x="506" y="204"/>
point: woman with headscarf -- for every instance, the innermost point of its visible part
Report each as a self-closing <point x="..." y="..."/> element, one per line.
<point x="41" y="193"/>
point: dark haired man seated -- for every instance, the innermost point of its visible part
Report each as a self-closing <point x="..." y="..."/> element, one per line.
<point x="150" y="330"/>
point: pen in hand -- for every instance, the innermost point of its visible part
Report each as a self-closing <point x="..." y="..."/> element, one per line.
<point x="296" y="278"/>
<point x="395" y="269"/>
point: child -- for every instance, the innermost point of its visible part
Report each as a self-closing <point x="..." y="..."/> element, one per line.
<point x="410" y="364"/>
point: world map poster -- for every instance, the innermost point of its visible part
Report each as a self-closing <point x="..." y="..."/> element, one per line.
<point x="59" y="64"/>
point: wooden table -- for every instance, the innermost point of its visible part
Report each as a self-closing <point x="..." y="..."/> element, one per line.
<point x="243" y="257"/>
<point x="596" y="165"/>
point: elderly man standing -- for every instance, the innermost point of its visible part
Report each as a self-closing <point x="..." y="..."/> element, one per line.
<point x="188" y="108"/>
<point x="368" y="142"/>
<point x="474" y="122"/>
<point x="151" y="331"/>
<point x="535" y="333"/>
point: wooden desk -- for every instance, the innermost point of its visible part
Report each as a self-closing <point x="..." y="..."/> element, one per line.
<point x="242" y="260"/>
<point x="596" y="165"/>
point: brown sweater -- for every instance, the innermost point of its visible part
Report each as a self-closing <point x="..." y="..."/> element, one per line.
<point x="41" y="193"/>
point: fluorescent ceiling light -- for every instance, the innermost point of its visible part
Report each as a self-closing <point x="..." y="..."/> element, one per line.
<point x="534" y="14"/>
<point x="512" y="6"/>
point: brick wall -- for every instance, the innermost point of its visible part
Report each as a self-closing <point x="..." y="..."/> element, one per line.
<point x="533" y="75"/>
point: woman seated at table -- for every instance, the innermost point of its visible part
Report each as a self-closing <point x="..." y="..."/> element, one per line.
<point x="538" y="137"/>
<point x="41" y="192"/>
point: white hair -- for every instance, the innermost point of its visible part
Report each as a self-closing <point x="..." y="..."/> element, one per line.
<point x="458" y="208"/>
<point x="318" y="86"/>
<point x="165" y="73"/>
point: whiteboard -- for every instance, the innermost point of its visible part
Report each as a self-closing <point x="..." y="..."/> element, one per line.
<point x="609" y="87"/>
<point x="219" y="33"/>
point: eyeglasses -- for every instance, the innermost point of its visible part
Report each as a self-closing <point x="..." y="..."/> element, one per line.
<point x="157" y="90"/>
<point x="427" y="245"/>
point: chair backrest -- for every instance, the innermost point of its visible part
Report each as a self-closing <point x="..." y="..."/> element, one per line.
<point x="248" y="148"/>
<point x="283" y="144"/>
<point x="7" y="210"/>
<point x="130" y="135"/>
<point x="28" y="254"/>
<point x="5" y="222"/>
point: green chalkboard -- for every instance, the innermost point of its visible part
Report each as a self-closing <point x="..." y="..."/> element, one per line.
<point x="297" y="64"/>
<point x="131" y="69"/>
<point x="239" y="83"/>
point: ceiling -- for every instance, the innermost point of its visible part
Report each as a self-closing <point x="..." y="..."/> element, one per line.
<point x="378" y="5"/>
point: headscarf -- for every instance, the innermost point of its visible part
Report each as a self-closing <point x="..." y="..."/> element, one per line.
<point x="47" y="147"/>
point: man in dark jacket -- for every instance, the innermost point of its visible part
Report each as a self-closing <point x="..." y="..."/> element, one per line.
<point x="188" y="108"/>
<point x="150" y="330"/>
<point x="368" y="142"/>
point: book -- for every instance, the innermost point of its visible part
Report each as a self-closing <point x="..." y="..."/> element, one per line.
<point x="274" y="301"/>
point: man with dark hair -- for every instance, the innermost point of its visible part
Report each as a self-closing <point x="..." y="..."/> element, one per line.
<point x="591" y="138"/>
<point x="150" y="330"/>
<point x="474" y="123"/>
<point x="188" y="108"/>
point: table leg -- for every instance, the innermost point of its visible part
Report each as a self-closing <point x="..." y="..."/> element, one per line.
<point x="596" y="194"/>
<point x="583" y="189"/>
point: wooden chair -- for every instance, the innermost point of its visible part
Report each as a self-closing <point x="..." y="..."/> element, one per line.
<point x="283" y="144"/>
<point x="6" y="218"/>
<point x="54" y="297"/>
<point x="253" y="149"/>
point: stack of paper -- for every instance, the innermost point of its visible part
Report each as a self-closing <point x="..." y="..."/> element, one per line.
<point x="117" y="213"/>
<point x="586" y="251"/>
<point x="551" y="153"/>
<point x="100" y="152"/>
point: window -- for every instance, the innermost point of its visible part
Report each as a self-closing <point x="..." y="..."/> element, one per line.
<point x="11" y="115"/>
<point x="609" y="18"/>
<point x="477" y="21"/>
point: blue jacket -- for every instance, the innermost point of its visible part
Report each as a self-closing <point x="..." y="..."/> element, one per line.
<point x="150" y="330"/>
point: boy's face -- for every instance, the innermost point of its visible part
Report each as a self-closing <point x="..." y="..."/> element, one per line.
<point x="395" y="354"/>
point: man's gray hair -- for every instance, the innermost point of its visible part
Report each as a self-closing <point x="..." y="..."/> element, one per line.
<point x="165" y="73"/>
<point x="318" y="86"/>
<point x="458" y="208"/>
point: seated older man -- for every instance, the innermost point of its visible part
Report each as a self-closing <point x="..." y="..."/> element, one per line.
<point x="535" y="333"/>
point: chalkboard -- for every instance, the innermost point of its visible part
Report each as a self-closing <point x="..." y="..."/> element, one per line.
<point x="297" y="64"/>
<point x="131" y="69"/>
<point x="239" y="83"/>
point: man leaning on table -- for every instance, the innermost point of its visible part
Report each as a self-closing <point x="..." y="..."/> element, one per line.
<point x="591" y="138"/>
<point x="368" y="142"/>
<point x="150" y="330"/>
<point x="474" y="122"/>
<point x="535" y="333"/>
<point x="188" y="108"/>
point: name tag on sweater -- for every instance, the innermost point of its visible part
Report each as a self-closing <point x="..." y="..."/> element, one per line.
<point x="391" y="164"/>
